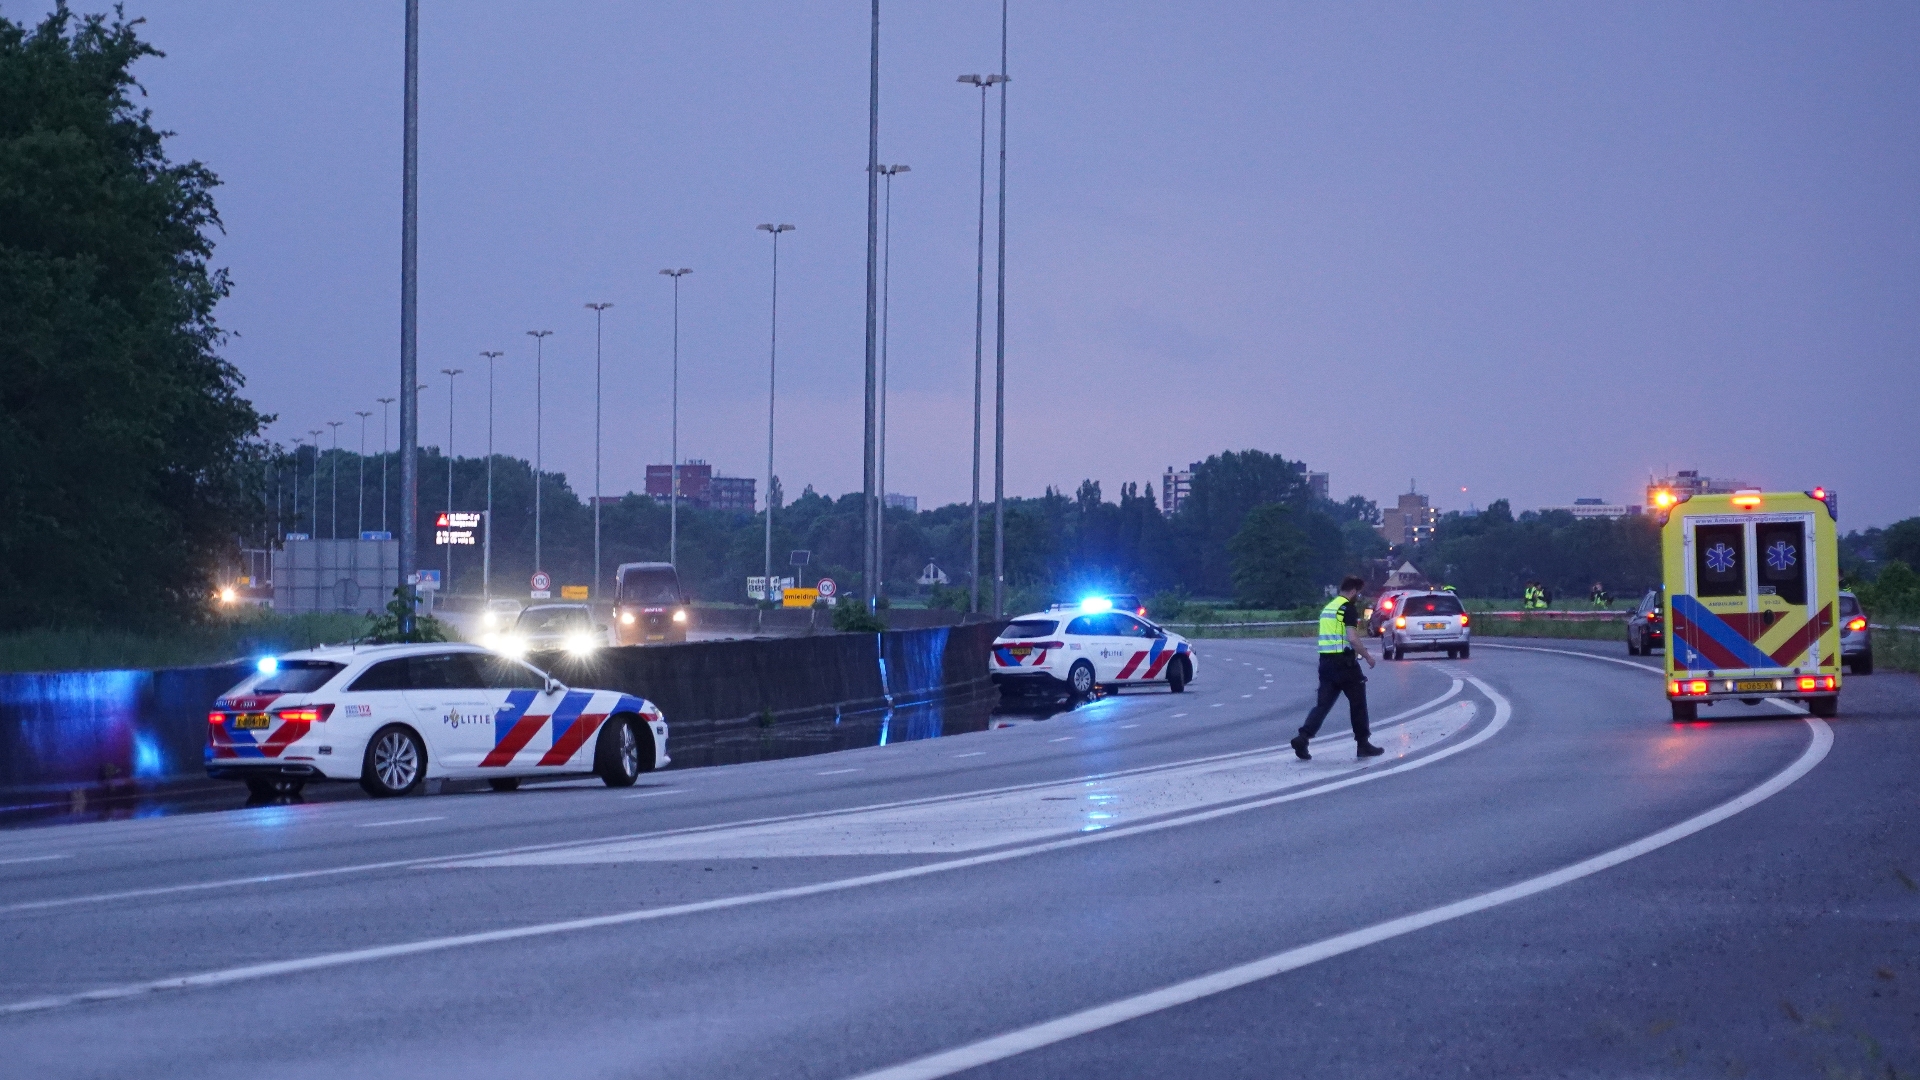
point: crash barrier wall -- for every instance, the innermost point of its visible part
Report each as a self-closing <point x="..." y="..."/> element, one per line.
<point x="65" y="731"/>
<point x="1550" y="615"/>
<point x="78" y="735"/>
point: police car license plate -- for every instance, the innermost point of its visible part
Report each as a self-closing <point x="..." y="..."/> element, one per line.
<point x="1755" y="684"/>
<point x="250" y="721"/>
<point x="1020" y="651"/>
<point x="1433" y="626"/>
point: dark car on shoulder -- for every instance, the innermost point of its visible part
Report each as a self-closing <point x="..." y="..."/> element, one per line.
<point x="1646" y="626"/>
<point x="1856" y="635"/>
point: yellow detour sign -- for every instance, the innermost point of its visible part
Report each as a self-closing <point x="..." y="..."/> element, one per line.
<point x="573" y="592"/>
<point x="800" y="597"/>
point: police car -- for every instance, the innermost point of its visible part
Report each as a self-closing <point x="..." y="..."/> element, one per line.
<point x="1088" y="645"/>
<point x="393" y="716"/>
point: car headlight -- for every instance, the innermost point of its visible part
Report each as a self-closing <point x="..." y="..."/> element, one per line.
<point x="490" y="619"/>
<point x="508" y="645"/>
<point x="626" y="618"/>
<point x="581" y="644"/>
<point x="680" y="616"/>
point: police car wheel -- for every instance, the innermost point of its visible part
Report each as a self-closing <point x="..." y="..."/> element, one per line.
<point x="504" y="783"/>
<point x="1081" y="678"/>
<point x="616" y="755"/>
<point x="395" y="763"/>
<point x="1632" y="649"/>
<point x="1177" y="676"/>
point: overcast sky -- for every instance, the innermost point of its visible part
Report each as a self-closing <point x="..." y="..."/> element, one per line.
<point x="1535" y="251"/>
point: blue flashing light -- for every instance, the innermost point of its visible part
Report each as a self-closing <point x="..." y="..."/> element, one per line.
<point x="1096" y="603"/>
<point x="268" y="665"/>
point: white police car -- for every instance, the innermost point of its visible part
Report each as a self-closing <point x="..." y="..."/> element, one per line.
<point x="392" y="716"/>
<point x="1087" y="646"/>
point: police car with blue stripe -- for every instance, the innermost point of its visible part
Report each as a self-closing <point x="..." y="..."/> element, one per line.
<point x="1079" y="648"/>
<point x="394" y="716"/>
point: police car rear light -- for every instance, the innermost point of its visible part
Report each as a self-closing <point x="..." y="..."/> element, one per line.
<point x="305" y="714"/>
<point x="1856" y="624"/>
<point x="216" y="718"/>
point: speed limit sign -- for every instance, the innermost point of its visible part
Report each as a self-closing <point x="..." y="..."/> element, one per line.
<point x="541" y="582"/>
<point x="827" y="587"/>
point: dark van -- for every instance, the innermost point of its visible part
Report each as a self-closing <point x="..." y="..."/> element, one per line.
<point x="649" y="607"/>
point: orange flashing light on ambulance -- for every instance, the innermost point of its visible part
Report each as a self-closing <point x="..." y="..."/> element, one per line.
<point x="1753" y="592"/>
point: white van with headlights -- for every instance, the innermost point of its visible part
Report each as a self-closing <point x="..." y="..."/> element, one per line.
<point x="1078" y="649"/>
<point x="394" y="716"/>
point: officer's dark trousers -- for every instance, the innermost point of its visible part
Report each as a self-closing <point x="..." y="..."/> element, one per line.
<point x="1340" y="675"/>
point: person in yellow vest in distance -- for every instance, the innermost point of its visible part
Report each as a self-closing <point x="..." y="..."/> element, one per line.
<point x="1533" y="597"/>
<point x="1601" y="601"/>
<point x="1341" y="650"/>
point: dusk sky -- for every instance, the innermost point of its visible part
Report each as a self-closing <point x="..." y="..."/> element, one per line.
<point x="1537" y="251"/>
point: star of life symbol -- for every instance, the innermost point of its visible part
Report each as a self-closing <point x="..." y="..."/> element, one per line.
<point x="1720" y="558"/>
<point x="1781" y="556"/>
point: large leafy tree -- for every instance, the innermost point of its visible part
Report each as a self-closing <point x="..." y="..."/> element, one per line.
<point x="128" y="458"/>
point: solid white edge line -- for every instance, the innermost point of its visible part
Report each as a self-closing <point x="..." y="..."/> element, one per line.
<point x="397" y="821"/>
<point x="432" y="860"/>
<point x="1013" y="1043"/>
<point x="270" y="969"/>
<point x="33" y="858"/>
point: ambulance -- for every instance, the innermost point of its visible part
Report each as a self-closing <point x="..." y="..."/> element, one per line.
<point x="1752" y="599"/>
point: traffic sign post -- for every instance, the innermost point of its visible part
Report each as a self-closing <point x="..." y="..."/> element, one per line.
<point x="542" y="585"/>
<point x="827" y="587"/>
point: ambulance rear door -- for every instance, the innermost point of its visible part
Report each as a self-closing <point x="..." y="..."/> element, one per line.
<point x="1751" y="601"/>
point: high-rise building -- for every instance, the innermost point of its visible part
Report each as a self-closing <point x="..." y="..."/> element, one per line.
<point x="1410" y="521"/>
<point x="1664" y="491"/>
<point x="1175" y="487"/>
<point x="897" y="501"/>
<point x="701" y="488"/>
<point x="731" y="493"/>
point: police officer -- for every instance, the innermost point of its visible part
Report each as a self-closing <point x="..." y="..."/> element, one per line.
<point x="1340" y="641"/>
<point x="1533" y="597"/>
<point x="1599" y="596"/>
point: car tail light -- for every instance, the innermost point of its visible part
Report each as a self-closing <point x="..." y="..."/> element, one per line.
<point x="1463" y="619"/>
<point x="1821" y="682"/>
<point x="216" y="718"/>
<point x="1688" y="688"/>
<point x="1856" y="624"/>
<point x="1386" y="605"/>
<point x="305" y="714"/>
<point x="1400" y="623"/>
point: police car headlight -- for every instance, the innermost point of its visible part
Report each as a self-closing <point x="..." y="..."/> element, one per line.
<point x="581" y="644"/>
<point x="680" y="616"/>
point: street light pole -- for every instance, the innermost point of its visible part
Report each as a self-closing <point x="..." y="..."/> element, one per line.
<point x="486" y="558"/>
<point x="873" y="259"/>
<point x="539" y="356"/>
<point x="294" y="516"/>
<point x="333" y="481"/>
<point x="1000" y="357"/>
<point x="880" y="467"/>
<point x="598" y="309"/>
<point x="314" y="529"/>
<point x="410" y="322"/>
<point x="447" y="585"/>
<point x="773" y="356"/>
<point x="360" y="515"/>
<point x="385" y="449"/>
<point x="979" y="325"/>
<point x="673" y="489"/>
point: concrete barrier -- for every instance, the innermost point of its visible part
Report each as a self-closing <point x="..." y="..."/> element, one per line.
<point x="69" y="737"/>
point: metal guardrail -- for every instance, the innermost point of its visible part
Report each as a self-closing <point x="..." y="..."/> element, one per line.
<point x="1232" y="625"/>
<point x="1884" y="626"/>
<point x="1550" y="615"/>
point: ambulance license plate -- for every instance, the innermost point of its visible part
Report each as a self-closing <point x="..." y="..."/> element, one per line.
<point x="1749" y="685"/>
<point x="253" y="721"/>
<point x="1433" y="626"/>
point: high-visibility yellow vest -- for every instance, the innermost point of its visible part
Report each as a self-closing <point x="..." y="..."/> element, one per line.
<point x="1333" y="626"/>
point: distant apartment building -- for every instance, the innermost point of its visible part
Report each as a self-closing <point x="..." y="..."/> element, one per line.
<point x="699" y="487"/>
<point x="1319" y="484"/>
<point x="1594" y="508"/>
<point x="1687" y="483"/>
<point x="1410" y="521"/>
<point x="897" y="501"/>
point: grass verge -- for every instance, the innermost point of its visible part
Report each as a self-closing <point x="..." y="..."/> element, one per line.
<point x="249" y="634"/>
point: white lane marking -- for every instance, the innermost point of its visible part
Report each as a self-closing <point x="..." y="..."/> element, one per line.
<point x="398" y="821"/>
<point x="1576" y="652"/>
<point x="1178" y="715"/>
<point x="995" y="821"/>
<point x="1124" y="727"/>
<point x="33" y="858"/>
<point x="1216" y="705"/>
<point x="1013" y="1043"/>
<point x="1062" y="738"/>
<point x="836" y="772"/>
<point x="1501" y="711"/>
<point x="395" y="864"/>
<point x="974" y="753"/>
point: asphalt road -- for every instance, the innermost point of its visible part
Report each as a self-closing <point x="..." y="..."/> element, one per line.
<point x="1544" y="877"/>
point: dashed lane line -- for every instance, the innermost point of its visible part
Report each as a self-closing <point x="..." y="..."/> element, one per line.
<point x="399" y="821"/>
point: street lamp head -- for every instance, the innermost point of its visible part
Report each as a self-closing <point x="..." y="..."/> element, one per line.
<point x="450" y="372"/>
<point x="894" y="170"/>
<point x="677" y="273"/>
<point x="599" y="307"/>
<point x="775" y="229"/>
<point x="491" y="354"/>
<point x="539" y="333"/>
<point x="995" y="80"/>
<point x="362" y="415"/>
<point x="982" y="81"/>
<point x="384" y="400"/>
<point x="970" y="80"/>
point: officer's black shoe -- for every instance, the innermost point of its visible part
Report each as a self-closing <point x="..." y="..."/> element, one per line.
<point x="1299" y="744"/>
<point x="1370" y="750"/>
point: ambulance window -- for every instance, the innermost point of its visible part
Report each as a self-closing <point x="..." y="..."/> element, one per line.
<point x="1720" y="560"/>
<point x="1782" y="547"/>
